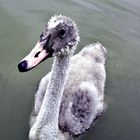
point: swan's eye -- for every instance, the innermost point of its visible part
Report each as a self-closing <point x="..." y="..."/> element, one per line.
<point x="62" y="33"/>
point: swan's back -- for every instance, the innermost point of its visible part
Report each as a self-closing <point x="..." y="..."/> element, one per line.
<point x="83" y="98"/>
<point x="87" y="66"/>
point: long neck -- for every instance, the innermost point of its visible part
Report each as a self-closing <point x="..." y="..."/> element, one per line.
<point x="49" y="112"/>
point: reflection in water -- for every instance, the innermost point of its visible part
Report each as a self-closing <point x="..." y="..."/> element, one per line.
<point x="113" y="23"/>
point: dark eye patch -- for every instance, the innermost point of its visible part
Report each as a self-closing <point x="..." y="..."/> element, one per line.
<point x="42" y="38"/>
<point x="62" y="33"/>
<point x="41" y="35"/>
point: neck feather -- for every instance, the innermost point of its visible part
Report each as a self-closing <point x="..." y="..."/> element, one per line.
<point x="49" y="112"/>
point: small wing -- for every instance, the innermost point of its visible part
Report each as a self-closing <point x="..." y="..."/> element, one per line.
<point x="84" y="106"/>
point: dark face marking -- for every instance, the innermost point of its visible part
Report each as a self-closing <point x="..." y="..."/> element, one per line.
<point x="62" y="33"/>
<point x="52" y="41"/>
<point x="58" y="37"/>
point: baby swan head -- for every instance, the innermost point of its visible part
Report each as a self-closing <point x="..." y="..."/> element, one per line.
<point x="60" y="37"/>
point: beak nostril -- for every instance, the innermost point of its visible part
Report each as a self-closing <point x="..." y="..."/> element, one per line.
<point x="36" y="55"/>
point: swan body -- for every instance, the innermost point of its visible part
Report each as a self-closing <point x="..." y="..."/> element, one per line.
<point x="86" y="81"/>
<point x="71" y="97"/>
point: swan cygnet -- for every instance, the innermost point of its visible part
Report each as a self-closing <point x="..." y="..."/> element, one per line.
<point x="71" y="97"/>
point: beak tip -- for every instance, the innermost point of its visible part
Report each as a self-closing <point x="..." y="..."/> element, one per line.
<point x="22" y="66"/>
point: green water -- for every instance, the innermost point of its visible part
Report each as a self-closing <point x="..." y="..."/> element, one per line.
<point x="116" y="24"/>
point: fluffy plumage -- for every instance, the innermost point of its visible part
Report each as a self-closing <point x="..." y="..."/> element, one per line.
<point x="83" y="97"/>
<point x="71" y="97"/>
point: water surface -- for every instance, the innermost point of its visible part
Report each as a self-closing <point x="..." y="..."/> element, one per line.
<point x="113" y="23"/>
